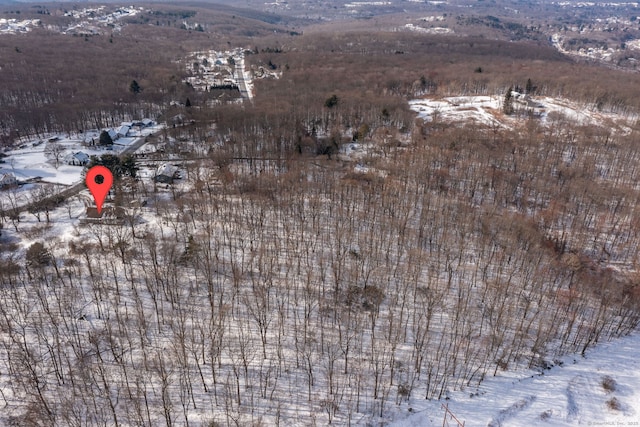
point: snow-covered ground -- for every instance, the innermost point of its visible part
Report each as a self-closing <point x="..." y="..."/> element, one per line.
<point x="597" y="389"/>
<point x="582" y="391"/>
<point x="34" y="161"/>
<point x="367" y="3"/>
<point x="31" y="161"/>
<point x="461" y="108"/>
<point x="487" y="110"/>
<point x="14" y="26"/>
<point x="601" y="388"/>
<point x="86" y="21"/>
<point x="433" y="30"/>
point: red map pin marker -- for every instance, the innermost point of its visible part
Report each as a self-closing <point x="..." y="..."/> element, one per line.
<point x="99" y="180"/>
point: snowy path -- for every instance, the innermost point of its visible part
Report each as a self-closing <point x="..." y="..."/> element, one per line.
<point x="243" y="80"/>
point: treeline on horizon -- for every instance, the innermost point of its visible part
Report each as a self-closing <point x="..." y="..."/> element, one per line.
<point x="61" y="83"/>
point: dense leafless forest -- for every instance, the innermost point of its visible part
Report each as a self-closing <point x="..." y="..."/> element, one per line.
<point x="280" y="285"/>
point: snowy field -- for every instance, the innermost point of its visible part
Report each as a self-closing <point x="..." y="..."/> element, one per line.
<point x="487" y="110"/>
<point x="469" y="108"/>
<point x="32" y="162"/>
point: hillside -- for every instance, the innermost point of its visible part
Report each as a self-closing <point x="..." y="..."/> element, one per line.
<point x="377" y="223"/>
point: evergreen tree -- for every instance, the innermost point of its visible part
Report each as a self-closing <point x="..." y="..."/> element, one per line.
<point x="507" y="105"/>
<point x="332" y="101"/>
<point x="127" y="166"/>
<point x="134" y="87"/>
<point x="529" y="87"/>
<point x="105" y="138"/>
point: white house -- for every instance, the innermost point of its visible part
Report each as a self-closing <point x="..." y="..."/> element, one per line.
<point x="113" y="134"/>
<point x="123" y="131"/>
<point x="78" y="159"/>
<point x="8" y="180"/>
<point x="166" y="173"/>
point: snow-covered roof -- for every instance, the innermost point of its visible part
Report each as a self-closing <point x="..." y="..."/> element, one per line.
<point x="123" y="130"/>
<point x="166" y="169"/>
<point x="77" y="157"/>
<point x="81" y="156"/>
<point x="7" y="179"/>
